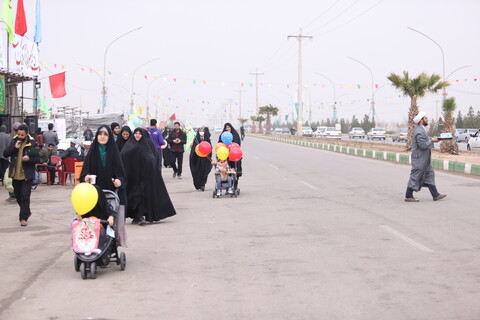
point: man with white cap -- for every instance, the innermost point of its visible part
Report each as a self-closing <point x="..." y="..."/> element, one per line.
<point x="422" y="174"/>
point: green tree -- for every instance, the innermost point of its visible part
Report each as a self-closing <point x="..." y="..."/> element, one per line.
<point x="459" y="120"/>
<point x="366" y="124"/>
<point x="354" y="123"/>
<point x="415" y="88"/>
<point x="254" y="130"/>
<point x="269" y="111"/>
<point x="449" y="146"/>
<point x="242" y="121"/>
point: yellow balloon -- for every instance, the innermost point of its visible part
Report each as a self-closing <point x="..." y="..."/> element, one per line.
<point x="222" y="153"/>
<point x="84" y="198"/>
<point x="220" y="144"/>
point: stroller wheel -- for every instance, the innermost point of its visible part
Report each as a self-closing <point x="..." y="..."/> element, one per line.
<point x="93" y="270"/>
<point x="76" y="263"/>
<point x="123" y="261"/>
<point x="83" y="270"/>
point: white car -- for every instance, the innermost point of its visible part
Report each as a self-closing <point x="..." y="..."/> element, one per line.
<point x="319" y="131"/>
<point x="376" y="133"/>
<point x="474" y="142"/>
<point x="332" y="133"/>
<point x="356" y="132"/>
<point x="307" y="131"/>
<point x="464" y="134"/>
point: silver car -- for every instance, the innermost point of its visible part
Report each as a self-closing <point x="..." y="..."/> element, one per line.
<point x="463" y="135"/>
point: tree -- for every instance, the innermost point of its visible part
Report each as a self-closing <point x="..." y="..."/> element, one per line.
<point x="269" y="111"/>
<point x="366" y="124"/>
<point x="449" y="146"/>
<point x="354" y="123"/>
<point x="253" y="123"/>
<point x="242" y="121"/>
<point x="415" y="88"/>
<point x="259" y="120"/>
<point x="459" y="120"/>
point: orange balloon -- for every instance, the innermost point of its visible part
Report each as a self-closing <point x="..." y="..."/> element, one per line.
<point x="197" y="151"/>
<point x="220" y="144"/>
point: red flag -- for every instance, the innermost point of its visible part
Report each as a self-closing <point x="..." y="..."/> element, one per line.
<point x="173" y="117"/>
<point x="57" y="85"/>
<point x="20" y="20"/>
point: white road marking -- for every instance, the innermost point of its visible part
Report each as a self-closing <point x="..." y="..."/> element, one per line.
<point x="309" y="185"/>
<point x="406" y="239"/>
<point x="274" y="167"/>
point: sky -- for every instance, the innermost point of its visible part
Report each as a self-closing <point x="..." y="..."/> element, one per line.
<point x="204" y="51"/>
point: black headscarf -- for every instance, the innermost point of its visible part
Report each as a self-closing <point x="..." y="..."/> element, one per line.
<point x="146" y="191"/>
<point x="200" y="167"/>
<point x="113" y="125"/>
<point x="113" y="168"/>
<point x="166" y="132"/>
<point x="120" y="141"/>
<point x="236" y="136"/>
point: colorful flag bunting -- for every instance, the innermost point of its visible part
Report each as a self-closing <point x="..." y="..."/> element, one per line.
<point x="20" y="19"/>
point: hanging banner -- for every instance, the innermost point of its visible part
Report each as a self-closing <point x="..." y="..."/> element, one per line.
<point x="23" y="57"/>
<point x="2" y="94"/>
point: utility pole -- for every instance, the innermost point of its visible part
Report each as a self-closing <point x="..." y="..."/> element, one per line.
<point x="300" y="37"/>
<point x="256" y="74"/>
<point x="240" y="103"/>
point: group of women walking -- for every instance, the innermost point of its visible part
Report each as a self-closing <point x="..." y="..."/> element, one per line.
<point x="130" y="166"/>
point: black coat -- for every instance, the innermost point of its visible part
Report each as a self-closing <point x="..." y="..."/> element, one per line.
<point x="200" y="167"/>
<point x="183" y="140"/>
<point x="30" y="150"/>
<point x="236" y="138"/>
<point x="146" y="191"/>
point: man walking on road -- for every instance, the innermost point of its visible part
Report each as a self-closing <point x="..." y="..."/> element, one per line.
<point x="422" y="171"/>
<point x="177" y="138"/>
<point x="157" y="138"/>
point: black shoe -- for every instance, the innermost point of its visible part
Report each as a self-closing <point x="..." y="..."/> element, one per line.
<point x="135" y="221"/>
<point x="142" y="222"/>
<point x="174" y="175"/>
<point x="179" y="176"/>
<point x="202" y="188"/>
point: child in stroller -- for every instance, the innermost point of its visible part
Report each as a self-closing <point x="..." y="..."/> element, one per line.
<point x="93" y="237"/>
<point x="225" y="179"/>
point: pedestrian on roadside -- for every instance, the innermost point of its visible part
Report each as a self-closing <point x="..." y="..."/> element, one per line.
<point x="167" y="155"/>
<point x="242" y="133"/>
<point x="116" y="130"/>
<point x="177" y="139"/>
<point x="157" y="137"/>
<point x="200" y="166"/>
<point x="51" y="137"/>
<point x="148" y="198"/>
<point x="4" y="142"/>
<point x="125" y="135"/>
<point x="237" y="165"/>
<point x="22" y="169"/>
<point x="88" y="134"/>
<point x="422" y="174"/>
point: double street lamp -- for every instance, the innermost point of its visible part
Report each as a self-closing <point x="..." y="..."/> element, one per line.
<point x="133" y="78"/>
<point x="373" y="88"/>
<point x="104" y="89"/>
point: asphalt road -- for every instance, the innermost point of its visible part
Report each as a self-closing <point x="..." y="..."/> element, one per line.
<point x="313" y="235"/>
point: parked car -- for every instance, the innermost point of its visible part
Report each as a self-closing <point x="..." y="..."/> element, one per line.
<point x="332" y="133"/>
<point x="400" y="135"/>
<point x="474" y="141"/>
<point x="356" y="132"/>
<point x="376" y="133"/>
<point x="464" y="134"/>
<point x="277" y="131"/>
<point x="307" y="131"/>
<point x="319" y="131"/>
<point x="285" y="131"/>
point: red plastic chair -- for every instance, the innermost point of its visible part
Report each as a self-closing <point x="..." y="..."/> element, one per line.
<point x="68" y="169"/>
<point x="55" y="160"/>
<point x="41" y="168"/>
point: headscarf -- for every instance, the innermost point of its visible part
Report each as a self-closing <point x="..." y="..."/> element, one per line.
<point x="146" y="190"/>
<point x="120" y="141"/>
<point x="165" y="132"/>
<point x="236" y="136"/>
<point x="200" y="167"/>
<point x="113" y="168"/>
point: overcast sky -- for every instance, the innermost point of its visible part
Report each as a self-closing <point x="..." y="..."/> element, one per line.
<point x="224" y="41"/>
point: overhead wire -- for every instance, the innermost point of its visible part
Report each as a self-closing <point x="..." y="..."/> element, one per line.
<point x="336" y="17"/>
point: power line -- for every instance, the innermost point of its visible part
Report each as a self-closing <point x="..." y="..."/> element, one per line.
<point x="337" y="16"/>
<point x="321" y="15"/>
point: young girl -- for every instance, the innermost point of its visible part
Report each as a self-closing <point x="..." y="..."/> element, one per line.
<point x="221" y="175"/>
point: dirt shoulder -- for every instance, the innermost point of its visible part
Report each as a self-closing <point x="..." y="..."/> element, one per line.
<point x="464" y="156"/>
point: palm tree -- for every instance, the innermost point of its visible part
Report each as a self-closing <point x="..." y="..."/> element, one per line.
<point x="242" y="121"/>
<point x="260" y="119"/>
<point x="253" y="123"/>
<point x="415" y="88"/>
<point x="449" y="146"/>
<point x="269" y="111"/>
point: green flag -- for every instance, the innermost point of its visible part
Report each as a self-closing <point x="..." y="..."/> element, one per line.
<point x="190" y="135"/>
<point x="7" y="17"/>
<point x="44" y="108"/>
<point x="2" y="95"/>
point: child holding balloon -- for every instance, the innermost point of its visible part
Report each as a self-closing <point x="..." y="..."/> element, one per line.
<point x="222" y="170"/>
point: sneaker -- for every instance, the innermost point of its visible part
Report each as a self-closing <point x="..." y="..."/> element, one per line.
<point x="135" y="221"/>
<point x="174" y="175"/>
<point x="219" y="193"/>
<point x="230" y="191"/>
<point x="411" y="200"/>
<point x="179" y="176"/>
<point x="142" y="222"/>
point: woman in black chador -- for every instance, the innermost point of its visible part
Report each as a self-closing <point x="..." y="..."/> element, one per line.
<point x="236" y="138"/>
<point x="200" y="167"/>
<point x="125" y="134"/>
<point x="103" y="160"/>
<point x="148" y="198"/>
<point x="167" y="156"/>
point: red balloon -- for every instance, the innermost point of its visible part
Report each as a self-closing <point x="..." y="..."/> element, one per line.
<point x="235" y="154"/>
<point x="204" y="147"/>
<point x="233" y="145"/>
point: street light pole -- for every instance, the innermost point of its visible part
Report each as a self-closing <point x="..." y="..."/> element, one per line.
<point x="334" y="106"/>
<point x="148" y="87"/>
<point x="373" y="94"/>
<point x="104" y="89"/>
<point x="133" y="78"/>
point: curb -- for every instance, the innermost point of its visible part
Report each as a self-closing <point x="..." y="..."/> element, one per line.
<point x="440" y="164"/>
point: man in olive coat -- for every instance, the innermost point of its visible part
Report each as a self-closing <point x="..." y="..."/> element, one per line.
<point x="422" y="174"/>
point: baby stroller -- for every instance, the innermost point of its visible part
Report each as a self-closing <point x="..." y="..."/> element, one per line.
<point x="225" y="185"/>
<point x="107" y="250"/>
